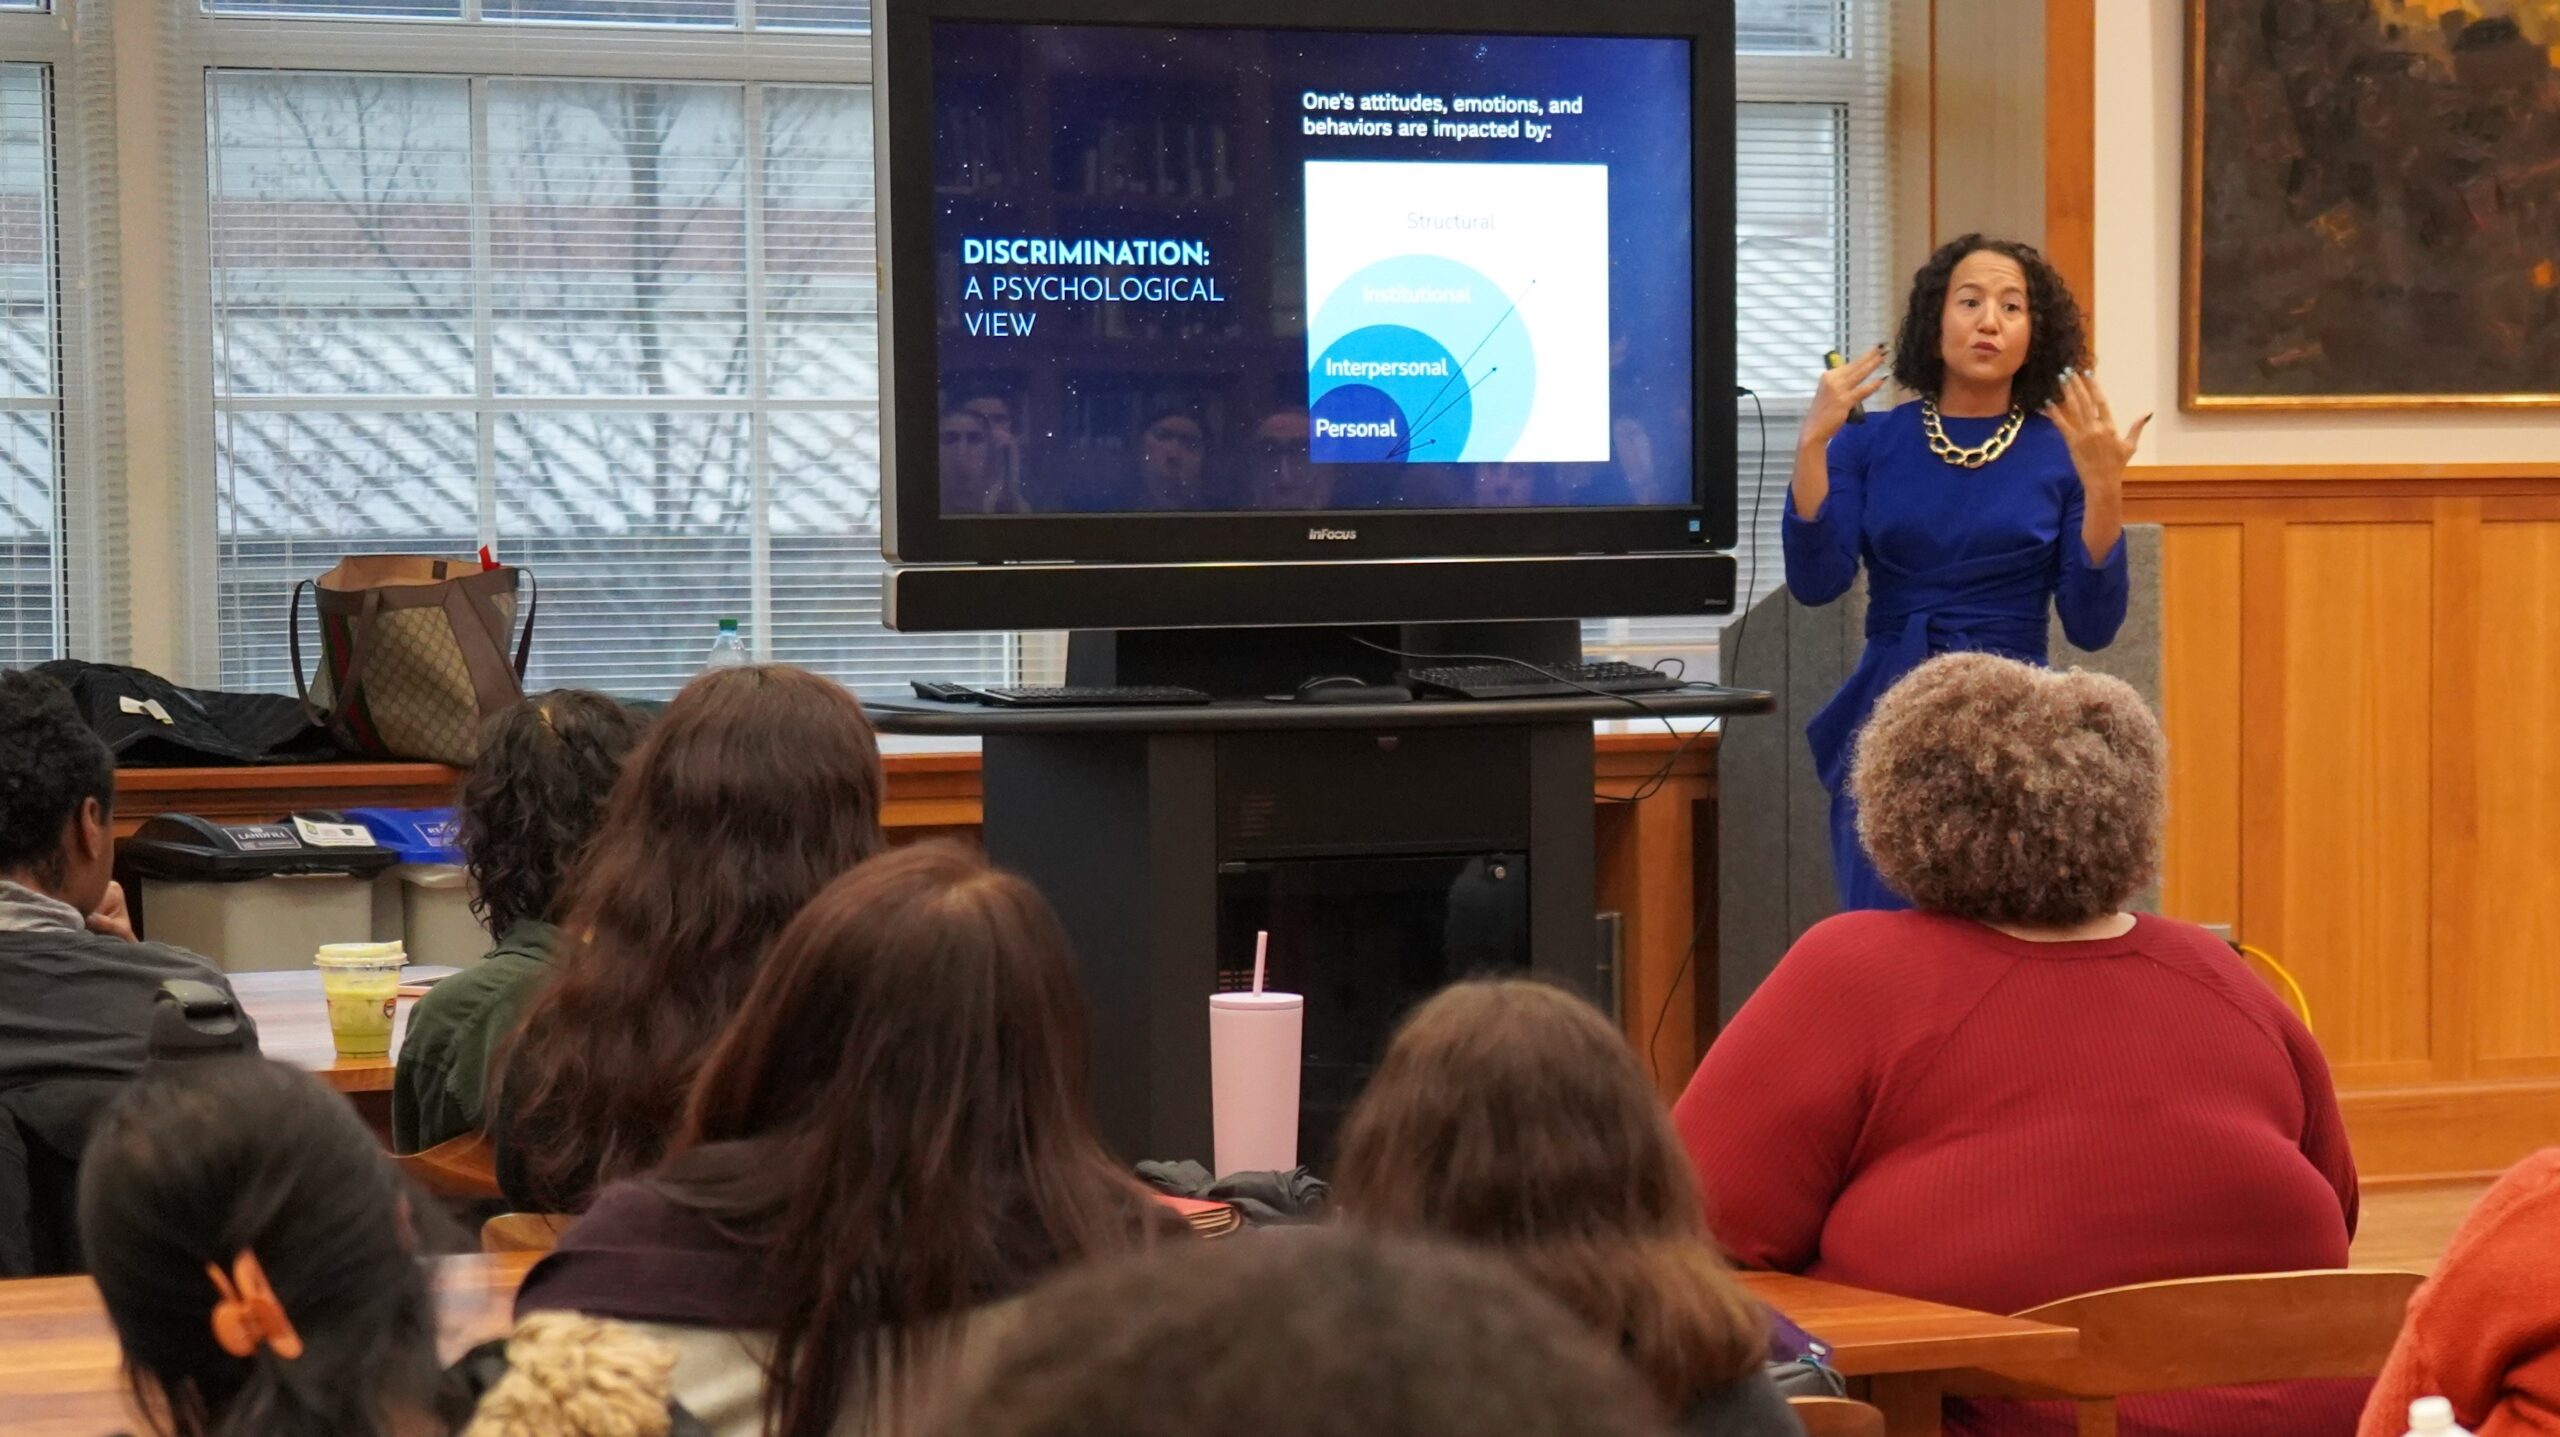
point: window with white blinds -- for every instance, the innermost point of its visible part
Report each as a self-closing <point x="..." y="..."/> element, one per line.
<point x="55" y="270"/>
<point x="618" y="326"/>
<point x="598" y="292"/>
<point x="1811" y="230"/>
<point x="31" y="520"/>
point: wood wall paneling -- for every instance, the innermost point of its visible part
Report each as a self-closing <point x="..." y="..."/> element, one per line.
<point x="2353" y="712"/>
<point x="2071" y="147"/>
<point x="2452" y="694"/>
<point x="2201" y="634"/>
<point x="2364" y="771"/>
<point x="2514" y="885"/>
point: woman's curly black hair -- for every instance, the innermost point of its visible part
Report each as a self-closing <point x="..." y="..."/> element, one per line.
<point x="534" y="795"/>
<point x="2056" y="338"/>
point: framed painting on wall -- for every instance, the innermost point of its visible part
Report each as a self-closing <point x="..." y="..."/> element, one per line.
<point x="2372" y="214"/>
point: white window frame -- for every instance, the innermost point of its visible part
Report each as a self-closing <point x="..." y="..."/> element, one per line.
<point x="1855" y="81"/>
<point x="477" y="51"/>
<point x="90" y="615"/>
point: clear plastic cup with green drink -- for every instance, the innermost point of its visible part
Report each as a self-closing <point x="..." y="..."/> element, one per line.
<point x="361" y="982"/>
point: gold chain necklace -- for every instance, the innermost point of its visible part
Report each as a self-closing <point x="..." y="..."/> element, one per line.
<point x="1980" y="454"/>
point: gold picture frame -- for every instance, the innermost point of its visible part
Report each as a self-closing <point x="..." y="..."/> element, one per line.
<point x="2205" y="88"/>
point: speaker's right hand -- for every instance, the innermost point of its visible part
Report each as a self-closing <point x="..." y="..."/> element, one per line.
<point x="1840" y="392"/>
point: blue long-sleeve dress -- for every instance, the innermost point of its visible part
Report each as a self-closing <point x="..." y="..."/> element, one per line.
<point x="1957" y="560"/>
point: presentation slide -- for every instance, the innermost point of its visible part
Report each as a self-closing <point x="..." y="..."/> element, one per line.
<point x="1193" y="270"/>
<point x="1461" y="312"/>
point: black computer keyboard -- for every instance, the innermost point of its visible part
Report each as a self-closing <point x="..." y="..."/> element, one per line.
<point x="1061" y="696"/>
<point x="1514" y="681"/>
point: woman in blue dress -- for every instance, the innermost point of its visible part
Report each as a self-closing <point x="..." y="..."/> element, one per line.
<point x="1996" y="493"/>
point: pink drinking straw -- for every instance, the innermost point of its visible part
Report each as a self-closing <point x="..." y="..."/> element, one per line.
<point x="1261" y="951"/>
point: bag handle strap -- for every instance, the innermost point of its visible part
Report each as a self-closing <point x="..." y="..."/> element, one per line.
<point x="312" y="713"/>
<point x="480" y="631"/>
<point x="532" y="611"/>
<point x="360" y="646"/>
<point x="486" y="609"/>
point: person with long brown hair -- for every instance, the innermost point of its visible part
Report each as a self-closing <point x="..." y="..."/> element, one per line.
<point x="890" y="1141"/>
<point x="756" y="788"/>
<point x="1511" y="1115"/>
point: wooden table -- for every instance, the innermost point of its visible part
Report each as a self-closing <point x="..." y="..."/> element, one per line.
<point x="59" y="1363"/>
<point x="58" y="1357"/>
<point x="1897" y="1351"/>
<point x="293" y="1027"/>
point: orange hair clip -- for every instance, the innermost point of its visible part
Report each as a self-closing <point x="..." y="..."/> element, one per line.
<point x="248" y="1316"/>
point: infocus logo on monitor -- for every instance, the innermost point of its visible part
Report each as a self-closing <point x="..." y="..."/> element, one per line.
<point x="1338" y="535"/>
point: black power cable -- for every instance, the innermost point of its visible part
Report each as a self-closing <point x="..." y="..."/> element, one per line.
<point x="1729" y="660"/>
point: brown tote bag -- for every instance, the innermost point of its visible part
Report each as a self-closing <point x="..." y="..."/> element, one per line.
<point x="413" y="652"/>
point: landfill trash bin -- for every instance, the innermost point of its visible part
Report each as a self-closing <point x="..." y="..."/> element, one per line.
<point x="253" y="897"/>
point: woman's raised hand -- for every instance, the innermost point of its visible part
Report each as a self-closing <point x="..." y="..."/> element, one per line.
<point x="2098" y="450"/>
<point x="1839" y="394"/>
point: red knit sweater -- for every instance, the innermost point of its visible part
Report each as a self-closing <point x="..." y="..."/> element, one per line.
<point x="2485" y="1330"/>
<point x="1921" y="1105"/>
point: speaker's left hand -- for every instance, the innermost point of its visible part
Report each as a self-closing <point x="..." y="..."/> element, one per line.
<point x="2098" y="451"/>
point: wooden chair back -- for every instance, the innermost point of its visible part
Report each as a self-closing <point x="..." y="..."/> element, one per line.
<point x="463" y="1167"/>
<point x="1836" y="1417"/>
<point x="2207" y="1332"/>
<point x="523" y="1232"/>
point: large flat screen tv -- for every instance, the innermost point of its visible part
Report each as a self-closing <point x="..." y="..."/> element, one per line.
<point x="1183" y="281"/>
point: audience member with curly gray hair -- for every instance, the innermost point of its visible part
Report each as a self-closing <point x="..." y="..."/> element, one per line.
<point x="1992" y="790"/>
<point x="2018" y="1091"/>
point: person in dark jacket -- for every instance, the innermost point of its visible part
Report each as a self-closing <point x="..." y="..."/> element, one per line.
<point x="76" y="989"/>
<point x="531" y="802"/>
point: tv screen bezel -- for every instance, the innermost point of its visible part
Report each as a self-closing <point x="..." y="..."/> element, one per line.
<point x="913" y="527"/>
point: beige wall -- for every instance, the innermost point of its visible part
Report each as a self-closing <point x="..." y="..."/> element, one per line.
<point x="1989" y="175"/>
<point x="1968" y="149"/>
<point x="2140" y="158"/>
<point x="152" y="453"/>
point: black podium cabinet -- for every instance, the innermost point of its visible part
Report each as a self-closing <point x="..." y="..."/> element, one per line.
<point x="1389" y="849"/>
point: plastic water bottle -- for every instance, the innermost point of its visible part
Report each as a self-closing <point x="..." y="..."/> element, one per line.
<point x="727" y="651"/>
<point x="2433" y="1417"/>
